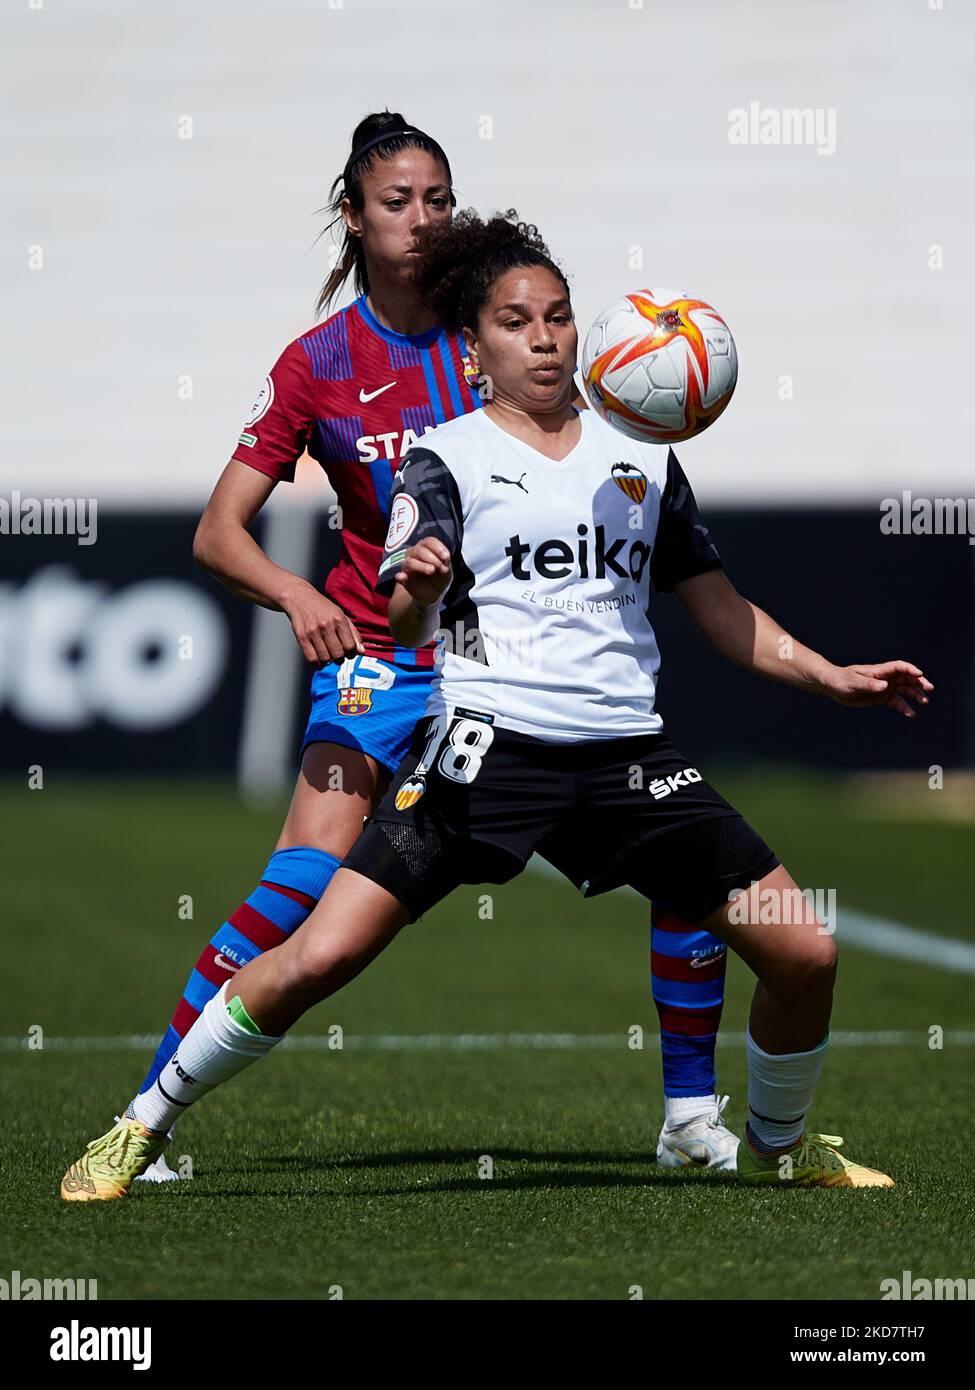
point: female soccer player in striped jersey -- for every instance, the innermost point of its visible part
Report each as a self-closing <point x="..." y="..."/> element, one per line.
<point x="540" y="732"/>
<point x="355" y="391"/>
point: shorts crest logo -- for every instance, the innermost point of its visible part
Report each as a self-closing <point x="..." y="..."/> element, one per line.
<point x="630" y="480"/>
<point x="410" y="792"/>
<point x="357" y="701"/>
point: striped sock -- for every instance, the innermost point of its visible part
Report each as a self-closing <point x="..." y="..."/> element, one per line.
<point x="687" y="974"/>
<point x="292" y="884"/>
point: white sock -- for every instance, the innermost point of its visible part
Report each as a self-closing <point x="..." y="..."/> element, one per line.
<point x="780" y="1091"/>
<point x="678" y="1110"/>
<point x="215" y="1049"/>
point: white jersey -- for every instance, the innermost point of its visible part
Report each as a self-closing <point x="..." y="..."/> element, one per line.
<point x="545" y="627"/>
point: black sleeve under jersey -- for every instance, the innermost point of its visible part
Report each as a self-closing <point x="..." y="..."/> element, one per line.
<point x="424" y="502"/>
<point x="683" y="546"/>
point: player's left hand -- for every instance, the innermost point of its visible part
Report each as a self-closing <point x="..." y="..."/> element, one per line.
<point x="426" y="571"/>
<point x="892" y="683"/>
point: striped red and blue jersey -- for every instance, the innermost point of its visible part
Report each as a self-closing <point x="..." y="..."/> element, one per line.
<point x="356" y="395"/>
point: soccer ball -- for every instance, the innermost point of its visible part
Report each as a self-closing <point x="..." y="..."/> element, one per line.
<point x="659" y="365"/>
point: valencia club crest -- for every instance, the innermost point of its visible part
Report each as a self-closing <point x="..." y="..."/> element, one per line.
<point x="410" y="792"/>
<point x="630" y="480"/>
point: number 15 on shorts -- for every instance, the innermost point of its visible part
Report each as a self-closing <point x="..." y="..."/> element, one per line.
<point x="456" y="744"/>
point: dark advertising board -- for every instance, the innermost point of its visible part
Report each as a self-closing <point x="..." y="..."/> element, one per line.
<point x="124" y="657"/>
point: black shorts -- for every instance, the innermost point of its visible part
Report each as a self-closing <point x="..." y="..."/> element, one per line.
<point x="471" y="803"/>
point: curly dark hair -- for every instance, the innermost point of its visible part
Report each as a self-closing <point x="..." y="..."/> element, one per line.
<point x="461" y="260"/>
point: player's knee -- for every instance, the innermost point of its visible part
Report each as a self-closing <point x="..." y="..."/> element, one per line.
<point x="320" y="966"/>
<point x="313" y="962"/>
<point x="809" y="976"/>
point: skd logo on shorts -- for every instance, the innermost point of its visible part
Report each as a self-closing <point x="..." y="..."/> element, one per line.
<point x="355" y="701"/>
<point x="630" y="480"/>
<point x="663" y="786"/>
<point x="410" y="793"/>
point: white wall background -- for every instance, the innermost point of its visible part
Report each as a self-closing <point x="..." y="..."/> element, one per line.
<point x="165" y="257"/>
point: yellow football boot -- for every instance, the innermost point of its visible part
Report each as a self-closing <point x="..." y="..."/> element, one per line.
<point x="814" y="1162"/>
<point x="110" y="1165"/>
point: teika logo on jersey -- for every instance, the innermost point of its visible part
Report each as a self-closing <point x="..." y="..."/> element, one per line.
<point x="589" y="556"/>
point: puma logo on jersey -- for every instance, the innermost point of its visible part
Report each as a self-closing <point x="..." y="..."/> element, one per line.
<point x="556" y="559"/>
<point x="365" y="396"/>
<point x="514" y="482"/>
<point x="663" y="786"/>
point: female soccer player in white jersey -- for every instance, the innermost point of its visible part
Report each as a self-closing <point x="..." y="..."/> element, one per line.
<point x="357" y="390"/>
<point x="532" y="534"/>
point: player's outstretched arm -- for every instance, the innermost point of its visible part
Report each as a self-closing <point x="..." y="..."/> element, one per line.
<point x="421" y="582"/>
<point x="748" y="636"/>
<point x="224" y="547"/>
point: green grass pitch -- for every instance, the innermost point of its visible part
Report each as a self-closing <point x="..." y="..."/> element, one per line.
<point x="361" y="1168"/>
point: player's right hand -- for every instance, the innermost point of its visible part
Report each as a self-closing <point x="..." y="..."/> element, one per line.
<point x="426" y="571"/>
<point x="322" y="629"/>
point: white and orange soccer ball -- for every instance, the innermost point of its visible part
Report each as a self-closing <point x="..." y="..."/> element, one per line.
<point x="659" y="365"/>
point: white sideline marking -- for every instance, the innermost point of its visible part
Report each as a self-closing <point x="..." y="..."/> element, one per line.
<point x="488" y="1042"/>
<point x="878" y="935"/>
<point x="885" y="938"/>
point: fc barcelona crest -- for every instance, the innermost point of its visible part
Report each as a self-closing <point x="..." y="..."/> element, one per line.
<point x="410" y="792"/>
<point x="472" y="374"/>
<point x="355" y="701"/>
<point x="630" y="480"/>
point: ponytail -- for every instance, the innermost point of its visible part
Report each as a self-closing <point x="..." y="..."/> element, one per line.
<point x="378" y="136"/>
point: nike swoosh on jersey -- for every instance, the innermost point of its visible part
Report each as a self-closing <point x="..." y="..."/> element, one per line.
<point x="365" y="396"/>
